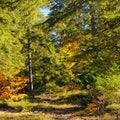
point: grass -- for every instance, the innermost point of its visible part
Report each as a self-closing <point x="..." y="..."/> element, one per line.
<point x="55" y="105"/>
<point x="48" y="107"/>
<point x="70" y="93"/>
<point x="26" y="116"/>
<point x="43" y="107"/>
<point x="25" y="104"/>
<point x="21" y="110"/>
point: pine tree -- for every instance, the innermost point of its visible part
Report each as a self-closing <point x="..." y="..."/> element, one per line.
<point x="17" y="21"/>
<point x="86" y="22"/>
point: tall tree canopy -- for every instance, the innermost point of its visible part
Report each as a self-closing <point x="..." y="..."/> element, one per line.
<point x="17" y="20"/>
<point x="94" y="25"/>
<point x="77" y="41"/>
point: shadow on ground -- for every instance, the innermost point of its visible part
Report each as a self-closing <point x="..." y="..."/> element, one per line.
<point x="53" y="110"/>
<point x="56" y="106"/>
<point x="77" y="99"/>
<point x="5" y="107"/>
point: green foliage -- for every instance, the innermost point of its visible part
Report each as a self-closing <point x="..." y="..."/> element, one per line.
<point x="52" y="87"/>
<point x="109" y="85"/>
<point x="113" y="107"/>
<point x="78" y="44"/>
<point x="10" y="47"/>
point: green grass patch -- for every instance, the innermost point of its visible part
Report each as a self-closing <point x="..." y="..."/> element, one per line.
<point x="25" y="104"/>
<point x="26" y="116"/>
<point x="71" y="93"/>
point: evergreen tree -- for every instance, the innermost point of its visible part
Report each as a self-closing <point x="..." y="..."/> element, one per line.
<point x="86" y="23"/>
<point x="17" y="21"/>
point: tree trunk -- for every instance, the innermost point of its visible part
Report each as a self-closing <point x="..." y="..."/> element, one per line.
<point x="93" y="24"/>
<point x="30" y="80"/>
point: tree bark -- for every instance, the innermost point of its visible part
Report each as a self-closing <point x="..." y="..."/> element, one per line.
<point x="93" y="24"/>
<point x="30" y="80"/>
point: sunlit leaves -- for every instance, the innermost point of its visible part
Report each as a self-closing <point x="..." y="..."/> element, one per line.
<point x="10" y="87"/>
<point x="109" y="85"/>
<point x="67" y="53"/>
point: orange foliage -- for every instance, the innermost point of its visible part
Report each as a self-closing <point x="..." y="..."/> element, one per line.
<point x="92" y="108"/>
<point x="17" y="83"/>
<point x="9" y="87"/>
<point x="91" y="105"/>
<point x="4" y="86"/>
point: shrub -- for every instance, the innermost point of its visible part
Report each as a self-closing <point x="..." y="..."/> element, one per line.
<point x="92" y="108"/>
<point x="10" y="87"/>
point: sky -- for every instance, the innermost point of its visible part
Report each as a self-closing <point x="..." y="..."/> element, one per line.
<point x="45" y="11"/>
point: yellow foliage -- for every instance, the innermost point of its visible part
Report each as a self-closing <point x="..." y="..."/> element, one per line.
<point x="17" y="83"/>
<point x="18" y="97"/>
<point x="68" y="51"/>
<point x="11" y="86"/>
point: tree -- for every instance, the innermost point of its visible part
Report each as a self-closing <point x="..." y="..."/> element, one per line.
<point x="10" y="47"/>
<point x="85" y="21"/>
<point x="29" y="18"/>
<point x="17" y="20"/>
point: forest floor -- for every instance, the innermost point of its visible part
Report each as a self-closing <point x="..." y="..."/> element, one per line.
<point x="47" y="107"/>
<point x="61" y="107"/>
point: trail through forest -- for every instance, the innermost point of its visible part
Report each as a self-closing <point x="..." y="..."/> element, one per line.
<point x="60" y="108"/>
<point x="46" y="107"/>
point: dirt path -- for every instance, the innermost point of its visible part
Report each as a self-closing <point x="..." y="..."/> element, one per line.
<point x="47" y="104"/>
<point x="60" y="108"/>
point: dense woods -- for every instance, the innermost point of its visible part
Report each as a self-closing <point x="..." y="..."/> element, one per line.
<point x="75" y="46"/>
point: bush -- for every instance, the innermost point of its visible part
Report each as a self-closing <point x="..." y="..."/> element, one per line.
<point x="113" y="107"/>
<point x="109" y="86"/>
<point x="52" y="87"/>
<point x="92" y="108"/>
